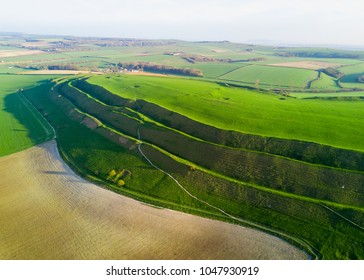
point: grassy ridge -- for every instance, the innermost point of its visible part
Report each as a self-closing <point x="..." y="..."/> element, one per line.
<point x="89" y="152"/>
<point x="299" y="150"/>
<point x="257" y="168"/>
<point x="332" y="236"/>
<point x="261" y="206"/>
<point x="320" y="121"/>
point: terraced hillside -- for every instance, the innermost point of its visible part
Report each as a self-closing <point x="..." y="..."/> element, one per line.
<point x="308" y="193"/>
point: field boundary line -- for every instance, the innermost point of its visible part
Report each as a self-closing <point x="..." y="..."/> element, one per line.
<point x="232" y="70"/>
<point x="52" y="130"/>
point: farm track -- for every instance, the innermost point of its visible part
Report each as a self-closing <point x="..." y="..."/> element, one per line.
<point x="64" y="217"/>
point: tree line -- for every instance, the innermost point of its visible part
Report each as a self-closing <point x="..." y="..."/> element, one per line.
<point x="158" y="68"/>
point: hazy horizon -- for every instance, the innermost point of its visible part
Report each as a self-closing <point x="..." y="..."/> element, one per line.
<point x="309" y="22"/>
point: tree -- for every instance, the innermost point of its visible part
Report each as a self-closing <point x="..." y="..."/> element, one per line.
<point x="112" y="173"/>
<point x="121" y="183"/>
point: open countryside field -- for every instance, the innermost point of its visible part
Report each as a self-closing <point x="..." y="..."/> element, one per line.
<point x="310" y="65"/>
<point x="21" y="125"/>
<point x="12" y="53"/>
<point x="325" y="82"/>
<point x="269" y="76"/>
<point x="352" y="72"/>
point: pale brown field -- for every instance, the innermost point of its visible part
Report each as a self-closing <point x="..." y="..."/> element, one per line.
<point x="142" y="73"/>
<point x="12" y="53"/>
<point x="48" y="212"/>
<point x="310" y="65"/>
<point x="37" y="44"/>
<point x="58" y="72"/>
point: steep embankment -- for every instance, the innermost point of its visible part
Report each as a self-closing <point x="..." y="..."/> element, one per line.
<point x="329" y="227"/>
<point x="61" y="216"/>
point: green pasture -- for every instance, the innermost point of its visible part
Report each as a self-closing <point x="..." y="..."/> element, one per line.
<point x="215" y="70"/>
<point x="21" y="126"/>
<point x="270" y="76"/>
<point x="325" y="82"/>
<point x="327" y="95"/>
<point x="352" y="72"/>
<point x="322" y="121"/>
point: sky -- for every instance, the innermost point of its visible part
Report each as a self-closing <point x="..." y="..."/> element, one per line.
<point x="322" y="22"/>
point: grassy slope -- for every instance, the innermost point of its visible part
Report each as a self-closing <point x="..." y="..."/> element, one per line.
<point x="91" y="153"/>
<point x="325" y="82"/>
<point x="352" y="72"/>
<point x="326" y="122"/>
<point x="322" y="229"/>
<point x="21" y="126"/>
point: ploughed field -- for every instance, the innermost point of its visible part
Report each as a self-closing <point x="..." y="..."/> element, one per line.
<point x="63" y="216"/>
<point x="293" y="168"/>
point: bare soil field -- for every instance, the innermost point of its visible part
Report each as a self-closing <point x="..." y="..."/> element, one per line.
<point x="12" y="53"/>
<point x="310" y="65"/>
<point x="58" y="72"/>
<point x="48" y="212"/>
<point x="36" y="44"/>
<point x="143" y="73"/>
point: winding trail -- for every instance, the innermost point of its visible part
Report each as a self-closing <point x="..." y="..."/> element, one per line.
<point x="261" y="227"/>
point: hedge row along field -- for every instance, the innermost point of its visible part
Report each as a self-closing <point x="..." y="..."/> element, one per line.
<point x="292" y="198"/>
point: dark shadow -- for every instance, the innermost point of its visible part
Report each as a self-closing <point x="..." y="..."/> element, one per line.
<point x="19" y="106"/>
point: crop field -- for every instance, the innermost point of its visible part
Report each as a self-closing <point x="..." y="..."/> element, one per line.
<point x="12" y="53"/>
<point x="270" y="76"/>
<point x="21" y="125"/>
<point x="310" y="65"/>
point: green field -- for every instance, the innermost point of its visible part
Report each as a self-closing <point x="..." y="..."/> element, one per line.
<point x="327" y="122"/>
<point x="21" y="125"/>
<point x="352" y="72"/>
<point x="273" y="77"/>
<point x="325" y="82"/>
